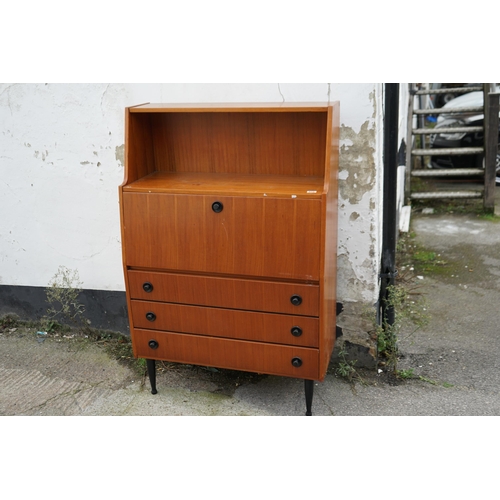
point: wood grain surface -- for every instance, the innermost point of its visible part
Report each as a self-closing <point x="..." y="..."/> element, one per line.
<point x="230" y="323"/>
<point x="250" y="295"/>
<point x="266" y="237"/>
<point x="230" y="354"/>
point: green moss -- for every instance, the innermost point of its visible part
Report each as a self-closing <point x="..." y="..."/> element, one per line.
<point x="424" y="256"/>
<point x="489" y="217"/>
<point x="418" y="260"/>
<point x="445" y="206"/>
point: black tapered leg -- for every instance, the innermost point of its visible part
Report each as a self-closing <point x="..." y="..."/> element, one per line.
<point x="151" y="364"/>
<point x="309" y="388"/>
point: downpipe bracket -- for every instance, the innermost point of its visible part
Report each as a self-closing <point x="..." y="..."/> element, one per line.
<point x="389" y="275"/>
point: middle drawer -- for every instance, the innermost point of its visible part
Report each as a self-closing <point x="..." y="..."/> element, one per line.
<point x="229" y="323"/>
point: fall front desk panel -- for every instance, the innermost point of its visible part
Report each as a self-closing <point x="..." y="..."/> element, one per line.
<point x="240" y="236"/>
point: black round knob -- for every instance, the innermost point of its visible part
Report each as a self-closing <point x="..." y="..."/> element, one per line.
<point x="147" y="287"/>
<point x="217" y="207"/>
<point x="296" y="331"/>
<point x="297" y="362"/>
<point x="150" y="316"/>
<point x="296" y="300"/>
<point x="153" y="344"/>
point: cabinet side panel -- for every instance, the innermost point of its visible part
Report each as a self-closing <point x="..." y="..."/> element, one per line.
<point x="139" y="158"/>
<point x="328" y="293"/>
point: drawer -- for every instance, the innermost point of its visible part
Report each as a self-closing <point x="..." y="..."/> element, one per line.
<point x="230" y="323"/>
<point x="256" y="357"/>
<point x="245" y="236"/>
<point x="252" y="295"/>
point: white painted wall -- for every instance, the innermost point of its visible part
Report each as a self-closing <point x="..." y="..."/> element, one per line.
<point x="61" y="161"/>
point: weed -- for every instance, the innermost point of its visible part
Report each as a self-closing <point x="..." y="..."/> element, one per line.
<point x="409" y="307"/>
<point x="62" y="295"/>
<point x="405" y="299"/>
<point x="405" y="374"/>
<point x="346" y="368"/>
<point x="428" y="380"/>
<point x="9" y="321"/>
<point x="435" y="382"/>
<point x="119" y="347"/>
<point x="140" y="366"/>
<point x="52" y="326"/>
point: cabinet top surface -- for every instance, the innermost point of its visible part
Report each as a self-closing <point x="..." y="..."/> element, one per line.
<point x="232" y="107"/>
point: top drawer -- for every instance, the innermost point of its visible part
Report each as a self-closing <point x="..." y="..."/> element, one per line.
<point x="251" y="295"/>
<point x="246" y="236"/>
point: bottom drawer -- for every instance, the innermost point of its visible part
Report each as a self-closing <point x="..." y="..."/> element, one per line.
<point x="227" y="353"/>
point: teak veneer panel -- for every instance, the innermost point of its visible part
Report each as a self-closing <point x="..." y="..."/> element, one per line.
<point x="231" y="354"/>
<point x="250" y="295"/>
<point x="271" y="237"/>
<point x="242" y="142"/>
<point x="230" y="323"/>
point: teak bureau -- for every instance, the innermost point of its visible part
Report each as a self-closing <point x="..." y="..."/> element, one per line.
<point x="229" y="236"/>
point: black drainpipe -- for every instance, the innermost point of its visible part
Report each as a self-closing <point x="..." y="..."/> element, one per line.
<point x="389" y="219"/>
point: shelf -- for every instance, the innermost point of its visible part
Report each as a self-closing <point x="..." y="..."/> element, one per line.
<point x="282" y="186"/>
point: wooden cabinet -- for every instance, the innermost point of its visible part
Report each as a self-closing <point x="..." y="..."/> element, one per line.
<point x="229" y="236"/>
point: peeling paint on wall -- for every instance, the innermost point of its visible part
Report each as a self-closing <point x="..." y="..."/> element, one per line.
<point x="42" y="154"/>
<point x="120" y="154"/>
<point x="358" y="160"/>
<point x="358" y="217"/>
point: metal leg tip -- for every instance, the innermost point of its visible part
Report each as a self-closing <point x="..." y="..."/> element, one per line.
<point x="308" y="414"/>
